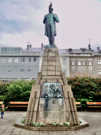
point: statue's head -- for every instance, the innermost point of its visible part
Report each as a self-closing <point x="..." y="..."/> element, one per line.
<point x="50" y="8"/>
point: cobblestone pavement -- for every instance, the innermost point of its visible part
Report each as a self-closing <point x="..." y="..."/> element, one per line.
<point x="7" y="128"/>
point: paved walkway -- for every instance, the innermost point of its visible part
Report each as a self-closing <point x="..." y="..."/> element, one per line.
<point x="7" y="128"/>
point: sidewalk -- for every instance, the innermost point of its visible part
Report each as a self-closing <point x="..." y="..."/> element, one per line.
<point x="7" y="128"/>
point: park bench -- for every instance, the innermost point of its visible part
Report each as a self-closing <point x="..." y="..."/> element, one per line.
<point x="94" y="105"/>
<point x="78" y="105"/>
<point x="1" y="102"/>
<point x="17" y="105"/>
<point x="23" y="105"/>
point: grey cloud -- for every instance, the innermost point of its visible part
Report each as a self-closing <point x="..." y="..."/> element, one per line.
<point x="12" y="26"/>
<point x="15" y="15"/>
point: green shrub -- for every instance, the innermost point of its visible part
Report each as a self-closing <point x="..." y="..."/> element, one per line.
<point x="18" y="91"/>
<point x="85" y="88"/>
<point x="3" y="88"/>
<point x="2" y="98"/>
<point x="67" y="124"/>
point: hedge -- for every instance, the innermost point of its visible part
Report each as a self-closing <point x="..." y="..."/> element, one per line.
<point x="16" y="91"/>
<point x="84" y="89"/>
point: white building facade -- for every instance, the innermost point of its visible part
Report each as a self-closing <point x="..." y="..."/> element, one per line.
<point x="24" y="64"/>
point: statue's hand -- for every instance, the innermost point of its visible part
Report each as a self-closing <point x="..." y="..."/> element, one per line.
<point x="44" y="20"/>
<point x="56" y="19"/>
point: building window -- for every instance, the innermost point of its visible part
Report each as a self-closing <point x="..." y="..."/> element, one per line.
<point x="64" y="58"/>
<point x="9" y="60"/>
<point x="29" y="70"/>
<point x="99" y="61"/>
<point x="83" y="63"/>
<point x="90" y="68"/>
<point x="3" y="60"/>
<point x="90" y="63"/>
<point x="22" y="70"/>
<point x="79" y="63"/>
<point x="34" y="59"/>
<point x="99" y="73"/>
<point x="73" y="63"/>
<point x="29" y="59"/>
<point x="23" y="59"/>
<point x="16" y="60"/>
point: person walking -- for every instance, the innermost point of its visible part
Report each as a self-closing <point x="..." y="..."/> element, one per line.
<point x="2" y="111"/>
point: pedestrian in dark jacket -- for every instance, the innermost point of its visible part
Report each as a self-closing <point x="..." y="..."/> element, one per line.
<point x="2" y="111"/>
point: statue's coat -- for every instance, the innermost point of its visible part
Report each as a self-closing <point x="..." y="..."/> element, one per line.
<point x="50" y="24"/>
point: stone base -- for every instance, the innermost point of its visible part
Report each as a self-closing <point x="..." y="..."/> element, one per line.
<point x="83" y="124"/>
<point x="50" y="46"/>
<point x="51" y="99"/>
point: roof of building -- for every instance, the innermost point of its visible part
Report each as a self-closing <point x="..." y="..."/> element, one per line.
<point x="29" y="49"/>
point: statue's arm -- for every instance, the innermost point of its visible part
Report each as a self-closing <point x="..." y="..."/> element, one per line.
<point x="44" y="20"/>
<point x="56" y="19"/>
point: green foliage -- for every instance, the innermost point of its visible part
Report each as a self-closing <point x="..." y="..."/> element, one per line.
<point x="23" y="121"/>
<point x="86" y="89"/>
<point x="38" y="124"/>
<point x="67" y="124"/>
<point x="2" y="98"/>
<point x="3" y="88"/>
<point x="54" y="124"/>
<point x="18" y="91"/>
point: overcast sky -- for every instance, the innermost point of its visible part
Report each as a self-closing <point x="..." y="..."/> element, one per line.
<point x="21" y="21"/>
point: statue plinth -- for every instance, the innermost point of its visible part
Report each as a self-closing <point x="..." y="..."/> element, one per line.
<point x="51" y="98"/>
<point x="50" y="46"/>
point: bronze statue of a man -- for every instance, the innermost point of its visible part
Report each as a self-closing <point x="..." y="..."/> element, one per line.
<point x="50" y="21"/>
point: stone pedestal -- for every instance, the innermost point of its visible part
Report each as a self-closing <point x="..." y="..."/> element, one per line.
<point x="51" y="98"/>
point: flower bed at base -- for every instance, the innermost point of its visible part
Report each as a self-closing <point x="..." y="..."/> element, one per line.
<point x="53" y="124"/>
<point x="51" y="127"/>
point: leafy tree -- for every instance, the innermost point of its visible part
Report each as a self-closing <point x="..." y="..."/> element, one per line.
<point x="85" y="88"/>
<point x="3" y="90"/>
<point x="19" y="91"/>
